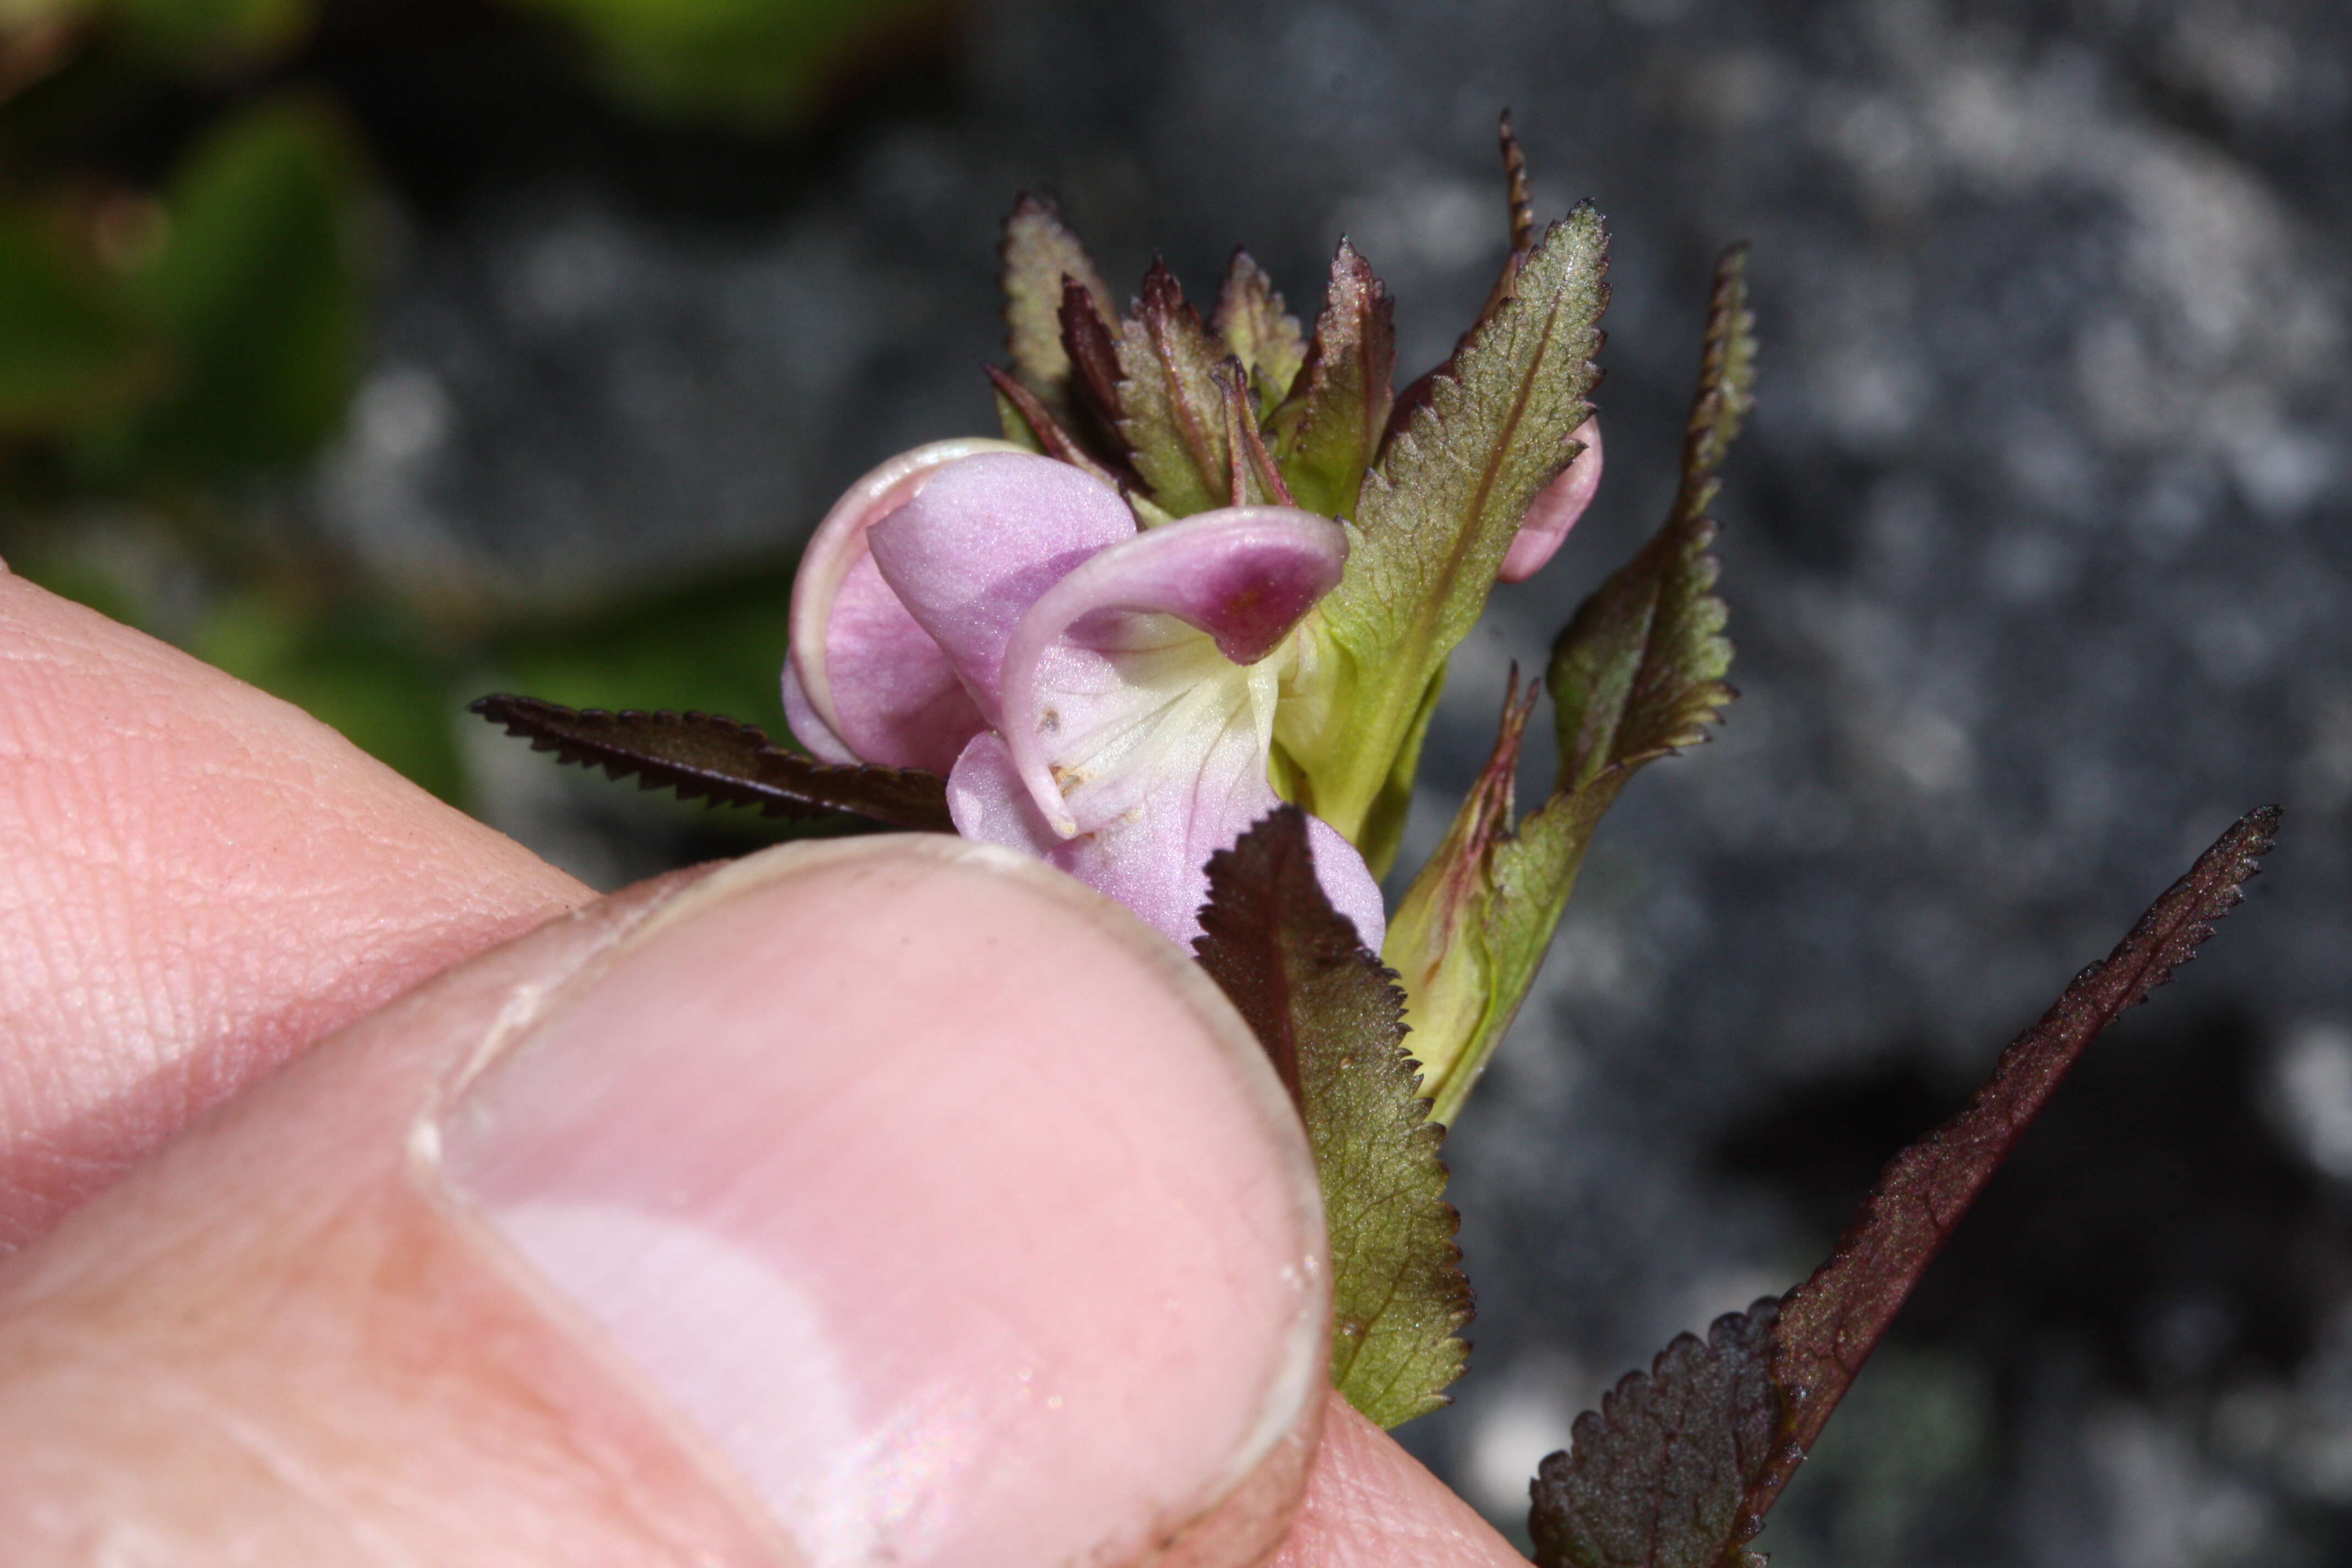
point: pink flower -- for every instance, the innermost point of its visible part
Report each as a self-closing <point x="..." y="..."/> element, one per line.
<point x="1099" y="697"/>
<point x="1555" y="508"/>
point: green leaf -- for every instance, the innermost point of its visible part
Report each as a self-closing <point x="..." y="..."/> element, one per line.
<point x="706" y="756"/>
<point x="1327" y="430"/>
<point x="71" y="349"/>
<point x="260" y="289"/>
<point x="1040" y="253"/>
<point x="1640" y="670"/>
<point x="1328" y="1015"/>
<point x="1437" y="941"/>
<point x="210" y="35"/>
<point x="1172" y="413"/>
<point x="1438" y="514"/>
<point x="1258" y="330"/>
<point x="1637" y="674"/>
<point x="757" y="64"/>
<point x="1683" y="1463"/>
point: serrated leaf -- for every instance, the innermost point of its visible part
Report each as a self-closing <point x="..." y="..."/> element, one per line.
<point x="1258" y="330"/>
<point x="1437" y="515"/>
<point x="1329" y="1015"/>
<point x="1654" y="1478"/>
<point x="1327" y="430"/>
<point x="1254" y="481"/>
<point x="1040" y="251"/>
<point x="1522" y="213"/>
<point x="706" y="756"/>
<point x="1683" y="1463"/>
<point x="1095" y="412"/>
<point x="1638" y="673"/>
<point x="1437" y="941"/>
<point x="1027" y="420"/>
<point x="1170" y="412"/>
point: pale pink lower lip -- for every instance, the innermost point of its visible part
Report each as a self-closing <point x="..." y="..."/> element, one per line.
<point x="935" y="1210"/>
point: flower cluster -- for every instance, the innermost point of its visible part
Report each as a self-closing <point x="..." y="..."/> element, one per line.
<point x="1213" y="565"/>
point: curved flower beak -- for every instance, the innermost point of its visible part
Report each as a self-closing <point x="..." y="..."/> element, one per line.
<point x="1124" y="682"/>
<point x="864" y="682"/>
<point x="1137" y="713"/>
<point x="1555" y="510"/>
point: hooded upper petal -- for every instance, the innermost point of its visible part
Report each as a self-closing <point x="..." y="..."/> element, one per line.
<point x="979" y="545"/>
<point x="865" y="682"/>
<point x="1109" y="665"/>
<point x="1132" y="745"/>
<point x="1555" y="508"/>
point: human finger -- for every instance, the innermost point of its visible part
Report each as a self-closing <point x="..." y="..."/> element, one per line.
<point x="893" y="1199"/>
<point x="197" y="882"/>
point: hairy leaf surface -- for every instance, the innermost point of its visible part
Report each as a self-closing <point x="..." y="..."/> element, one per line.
<point x="705" y="756"/>
<point x="1437" y="515"/>
<point x="1327" y="431"/>
<point x="1039" y="252"/>
<point x="1172" y="410"/>
<point x="1330" y="1017"/>
<point x="1638" y="673"/>
<point x="1683" y="1463"/>
<point x="1258" y="329"/>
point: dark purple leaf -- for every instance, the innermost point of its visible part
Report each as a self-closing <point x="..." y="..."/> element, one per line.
<point x="705" y="756"/>
<point x="1676" y="1471"/>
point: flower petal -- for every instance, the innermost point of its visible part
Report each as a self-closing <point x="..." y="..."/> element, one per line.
<point x="1154" y="860"/>
<point x="1118" y="644"/>
<point x="863" y="682"/>
<point x="1555" y="510"/>
<point x="973" y="552"/>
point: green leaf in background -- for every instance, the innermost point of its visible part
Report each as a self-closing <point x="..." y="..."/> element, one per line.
<point x="209" y="36"/>
<point x="71" y="348"/>
<point x="366" y="669"/>
<point x="759" y="65"/>
<point x="1436" y="518"/>
<point x="1681" y="1465"/>
<point x="258" y="288"/>
<point x="1636" y="675"/>
<point x="1172" y="413"/>
<point x="1329" y="1015"/>
<point x="713" y="645"/>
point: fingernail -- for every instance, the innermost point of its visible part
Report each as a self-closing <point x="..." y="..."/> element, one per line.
<point x="956" y="1216"/>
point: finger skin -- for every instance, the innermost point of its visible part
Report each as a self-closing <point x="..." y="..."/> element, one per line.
<point x="298" y="1334"/>
<point x="214" y="1362"/>
<point x="197" y="882"/>
<point x="1370" y="1504"/>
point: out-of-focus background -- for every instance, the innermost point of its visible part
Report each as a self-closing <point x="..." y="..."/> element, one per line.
<point x="388" y="351"/>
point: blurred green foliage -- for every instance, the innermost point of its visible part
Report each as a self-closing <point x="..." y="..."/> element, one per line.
<point x="756" y="62"/>
<point x="189" y="214"/>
